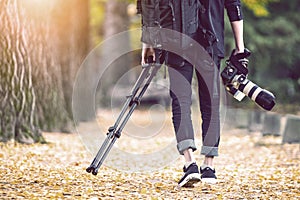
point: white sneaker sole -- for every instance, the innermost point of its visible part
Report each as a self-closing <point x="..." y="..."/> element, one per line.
<point x="190" y="180"/>
<point x="209" y="180"/>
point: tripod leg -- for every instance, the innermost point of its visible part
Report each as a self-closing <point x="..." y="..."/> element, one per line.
<point x="136" y="101"/>
<point x="99" y="153"/>
<point x="125" y="120"/>
<point x="136" y="87"/>
<point x="156" y="67"/>
<point x="116" y="136"/>
<point x="95" y="172"/>
<point x="139" y="82"/>
<point x="132" y="101"/>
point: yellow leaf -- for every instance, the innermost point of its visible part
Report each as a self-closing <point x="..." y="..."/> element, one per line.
<point x="89" y="190"/>
<point x="158" y="184"/>
<point x="143" y="191"/>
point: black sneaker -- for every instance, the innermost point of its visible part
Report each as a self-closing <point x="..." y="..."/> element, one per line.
<point x="208" y="175"/>
<point x="191" y="176"/>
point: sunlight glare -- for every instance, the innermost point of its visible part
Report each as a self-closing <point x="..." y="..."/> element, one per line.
<point x="39" y="6"/>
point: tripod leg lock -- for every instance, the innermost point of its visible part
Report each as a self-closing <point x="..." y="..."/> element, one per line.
<point x="118" y="134"/>
<point x="137" y="101"/>
<point x="112" y="128"/>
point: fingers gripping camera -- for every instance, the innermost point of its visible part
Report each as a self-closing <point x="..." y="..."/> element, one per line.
<point x="234" y="77"/>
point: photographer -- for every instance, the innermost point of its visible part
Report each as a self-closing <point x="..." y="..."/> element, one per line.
<point x="202" y="20"/>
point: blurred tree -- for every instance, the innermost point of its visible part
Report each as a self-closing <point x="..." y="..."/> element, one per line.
<point x="116" y="20"/>
<point x="18" y="60"/>
<point x="41" y="51"/>
<point x="258" y="7"/>
<point x="70" y="39"/>
<point x="97" y="14"/>
<point x="274" y="41"/>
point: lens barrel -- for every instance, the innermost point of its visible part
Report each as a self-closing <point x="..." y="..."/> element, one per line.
<point x="266" y="100"/>
<point x="262" y="97"/>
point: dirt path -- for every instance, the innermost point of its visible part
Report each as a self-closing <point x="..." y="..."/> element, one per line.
<point x="249" y="167"/>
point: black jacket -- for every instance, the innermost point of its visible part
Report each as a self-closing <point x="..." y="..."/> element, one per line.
<point x="189" y="16"/>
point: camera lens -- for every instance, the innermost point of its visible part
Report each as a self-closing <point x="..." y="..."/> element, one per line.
<point x="262" y="97"/>
<point x="266" y="100"/>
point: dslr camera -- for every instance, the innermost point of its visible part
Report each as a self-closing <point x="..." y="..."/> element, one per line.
<point x="234" y="77"/>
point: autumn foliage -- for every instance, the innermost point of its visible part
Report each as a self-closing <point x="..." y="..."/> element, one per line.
<point x="260" y="168"/>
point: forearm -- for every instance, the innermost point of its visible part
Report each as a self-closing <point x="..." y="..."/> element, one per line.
<point x="237" y="29"/>
<point x="235" y="16"/>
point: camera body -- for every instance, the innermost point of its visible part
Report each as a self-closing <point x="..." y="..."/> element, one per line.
<point x="234" y="77"/>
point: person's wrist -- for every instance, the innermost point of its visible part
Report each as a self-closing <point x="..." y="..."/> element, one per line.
<point x="239" y="50"/>
<point x="145" y="45"/>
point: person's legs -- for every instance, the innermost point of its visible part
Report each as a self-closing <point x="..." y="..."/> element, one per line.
<point x="188" y="157"/>
<point x="181" y="95"/>
<point x="181" y="74"/>
<point x="209" y="98"/>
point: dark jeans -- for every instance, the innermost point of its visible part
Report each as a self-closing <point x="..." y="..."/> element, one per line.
<point x="181" y="74"/>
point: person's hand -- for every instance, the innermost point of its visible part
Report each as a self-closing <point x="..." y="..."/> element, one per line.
<point x="147" y="50"/>
<point x="240" y="56"/>
<point x="238" y="50"/>
<point x="240" y="60"/>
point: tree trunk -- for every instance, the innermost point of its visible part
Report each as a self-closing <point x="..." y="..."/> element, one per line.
<point x="116" y="21"/>
<point x="71" y="31"/>
<point x="40" y="53"/>
<point x="18" y="96"/>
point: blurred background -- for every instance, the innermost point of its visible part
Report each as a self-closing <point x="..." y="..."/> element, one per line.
<point x="43" y="44"/>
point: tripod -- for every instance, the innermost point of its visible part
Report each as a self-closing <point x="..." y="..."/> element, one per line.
<point x="149" y="70"/>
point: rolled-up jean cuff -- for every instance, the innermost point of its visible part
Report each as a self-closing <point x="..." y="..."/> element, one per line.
<point x="186" y="144"/>
<point x="209" y="151"/>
